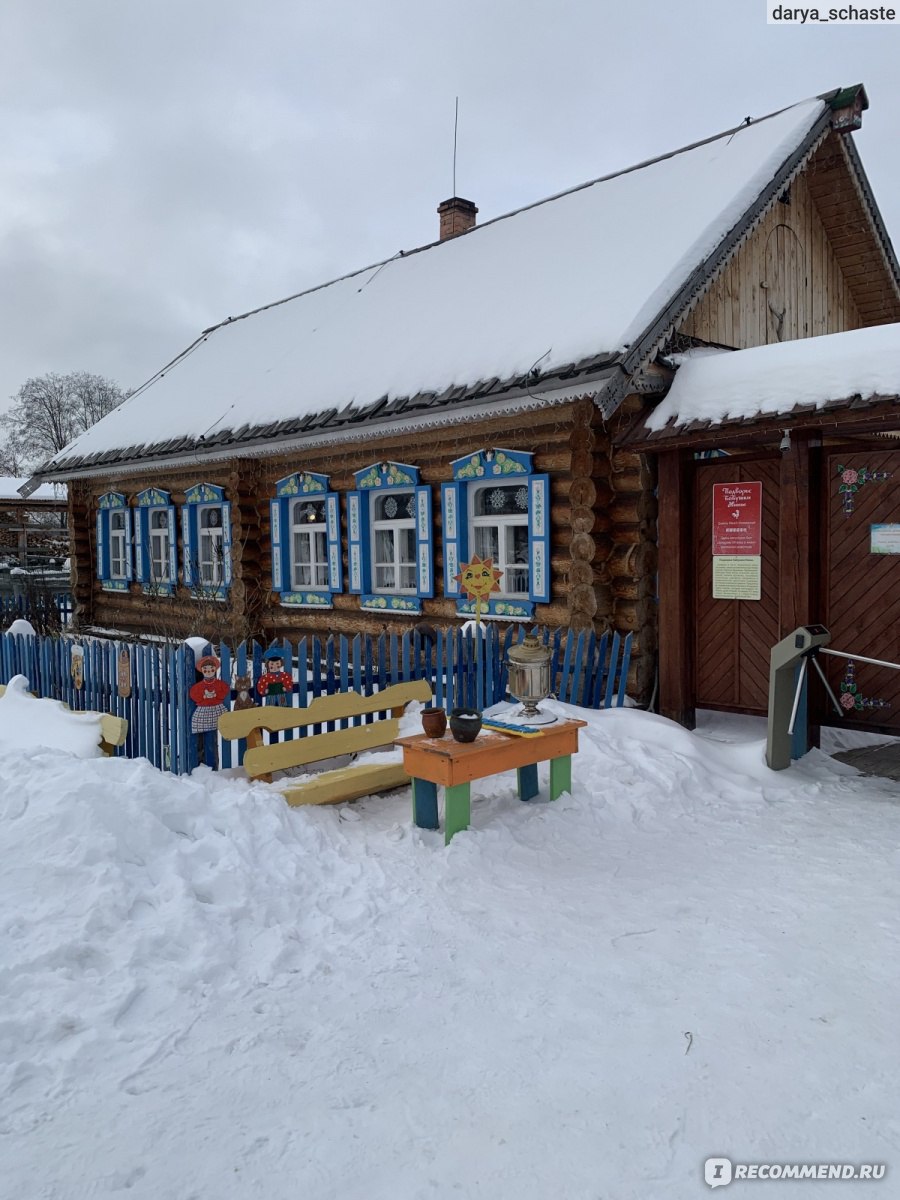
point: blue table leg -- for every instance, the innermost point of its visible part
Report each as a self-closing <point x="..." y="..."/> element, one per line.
<point x="560" y="776"/>
<point x="528" y="781"/>
<point x="425" y="804"/>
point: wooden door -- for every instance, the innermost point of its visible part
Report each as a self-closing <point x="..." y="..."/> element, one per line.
<point x="733" y="638"/>
<point x="862" y="588"/>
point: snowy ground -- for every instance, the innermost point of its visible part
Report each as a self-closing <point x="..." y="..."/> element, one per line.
<point x="209" y="996"/>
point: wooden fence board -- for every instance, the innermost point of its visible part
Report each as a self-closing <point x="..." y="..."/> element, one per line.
<point x="461" y="669"/>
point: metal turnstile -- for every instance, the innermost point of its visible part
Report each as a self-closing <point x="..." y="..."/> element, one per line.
<point x="786" y="688"/>
<point x="787" y="677"/>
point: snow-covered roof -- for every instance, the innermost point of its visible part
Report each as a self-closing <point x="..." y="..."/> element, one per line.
<point x="10" y="485"/>
<point x="581" y="276"/>
<point x="781" y="378"/>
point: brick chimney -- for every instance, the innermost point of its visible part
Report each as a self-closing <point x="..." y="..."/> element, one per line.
<point x="457" y="216"/>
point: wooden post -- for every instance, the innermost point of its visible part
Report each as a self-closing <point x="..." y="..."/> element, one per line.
<point x="796" y="568"/>
<point x="675" y="526"/>
<point x="798" y="563"/>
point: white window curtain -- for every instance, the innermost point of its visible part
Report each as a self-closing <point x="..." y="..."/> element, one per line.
<point x="499" y="522"/>
<point x="394" y="542"/>
<point x="309" y="544"/>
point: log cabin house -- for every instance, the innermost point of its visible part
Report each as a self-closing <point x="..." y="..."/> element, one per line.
<point x="325" y="463"/>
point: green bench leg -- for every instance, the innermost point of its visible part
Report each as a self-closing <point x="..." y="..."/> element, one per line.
<point x="425" y="804"/>
<point x="457" y="810"/>
<point x="528" y="781"/>
<point x="560" y="776"/>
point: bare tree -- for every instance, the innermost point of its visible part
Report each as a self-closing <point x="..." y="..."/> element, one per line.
<point x="48" y="411"/>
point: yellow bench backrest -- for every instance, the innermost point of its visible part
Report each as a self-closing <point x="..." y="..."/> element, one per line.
<point x="262" y="760"/>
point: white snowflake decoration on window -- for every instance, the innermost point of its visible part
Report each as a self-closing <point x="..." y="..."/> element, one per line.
<point x="522" y="499"/>
<point x="390" y="507"/>
<point x="497" y="499"/>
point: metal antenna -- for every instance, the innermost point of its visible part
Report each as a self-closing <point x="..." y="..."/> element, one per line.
<point x="455" y="128"/>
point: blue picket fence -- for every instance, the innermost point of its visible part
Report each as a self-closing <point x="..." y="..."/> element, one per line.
<point x="463" y="670"/>
<point x="42" y="609"/>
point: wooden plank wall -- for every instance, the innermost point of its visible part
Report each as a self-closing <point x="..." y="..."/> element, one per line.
<point x="787" y="266"/>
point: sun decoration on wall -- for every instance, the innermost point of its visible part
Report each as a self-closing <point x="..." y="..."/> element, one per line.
<point x="479" y="578"/>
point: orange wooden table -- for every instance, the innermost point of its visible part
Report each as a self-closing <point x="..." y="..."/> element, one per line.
<point x="443" y="761"/>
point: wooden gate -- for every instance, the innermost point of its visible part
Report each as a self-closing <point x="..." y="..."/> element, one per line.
<point x="860" y="586"/>
<point x="733" y="638"/>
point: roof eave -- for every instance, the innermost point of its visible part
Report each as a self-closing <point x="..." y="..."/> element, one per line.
<point x="605" y="381"/>
<point x="849" y="414"/>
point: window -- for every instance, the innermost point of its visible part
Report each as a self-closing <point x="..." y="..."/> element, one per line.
<point x="212" y="547"/>
<point x="497" y="508"/>
<point x="499" y="517"/>
<point x="117" y="536"/>
<point x="159" y="546"/>
<point x="305" y="529"/>
<point x="390" y="538"/>
<point x="206" y="540"/>
<point x="394" y="542"/>
<point x="154" y="540"/>
<point x="114" y="542"/>
<point x="309" y="544"/>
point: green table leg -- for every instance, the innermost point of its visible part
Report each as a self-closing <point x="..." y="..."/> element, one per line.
<point x="560" y="776"/>
<point x="457" y="810"/>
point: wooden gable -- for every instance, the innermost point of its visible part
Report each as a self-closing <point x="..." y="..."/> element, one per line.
<point x="812" y="266"/>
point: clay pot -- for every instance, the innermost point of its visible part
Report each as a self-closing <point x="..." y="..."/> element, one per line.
<point x="465" y="724"/>
<point x="434" y="722"/>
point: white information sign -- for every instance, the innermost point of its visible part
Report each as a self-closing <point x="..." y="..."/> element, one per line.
<point x="885" y="539"/>
<point x="737" y="577"/>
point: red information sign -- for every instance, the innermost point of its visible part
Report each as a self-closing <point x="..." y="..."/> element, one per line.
<point x="737" y="518"/>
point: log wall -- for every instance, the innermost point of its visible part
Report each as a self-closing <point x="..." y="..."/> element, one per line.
<point x="632" y="562"/>
<point x="599" y="520"/>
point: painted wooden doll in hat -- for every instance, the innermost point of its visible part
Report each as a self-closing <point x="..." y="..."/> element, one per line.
<point x="209" y="695"/>
<point x="275" y="685"/>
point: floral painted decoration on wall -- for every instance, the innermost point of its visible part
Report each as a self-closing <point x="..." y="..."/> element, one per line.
<point x="852" y="480"/>
<point x="852" y="699"/>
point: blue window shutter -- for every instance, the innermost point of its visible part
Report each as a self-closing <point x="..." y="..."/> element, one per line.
<point x="128" y="551"/>
<point x="188" y="547"/>
<point x="142" y="545"/>
<point x="539" y="537"/>
<point x="455" y="520"/>
<point x="173" y="547"/>
<point x="102" y="547"/>
<point x="333" y="526"/>
<point x="358" y="540"/>
<point x="276" y="514"/>
<point x="424" y="543"/>
<point x="226" y="544"/>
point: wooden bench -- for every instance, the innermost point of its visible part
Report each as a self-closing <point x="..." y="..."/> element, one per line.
<point x="113" y="730"/>
<point x="341" y="783"/>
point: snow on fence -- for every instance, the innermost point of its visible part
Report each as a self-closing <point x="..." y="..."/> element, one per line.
<point x="462" y="669"/>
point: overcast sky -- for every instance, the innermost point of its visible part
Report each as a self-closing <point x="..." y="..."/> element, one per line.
<point x="167" y="163"/>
